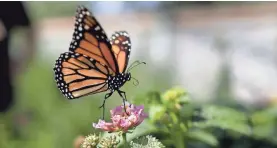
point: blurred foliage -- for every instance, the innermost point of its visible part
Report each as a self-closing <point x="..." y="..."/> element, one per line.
<point x="41" y="10"/>
<point x="177" y="122"/>
<point x="264" y="124"/>
<point x="223" y="93"/>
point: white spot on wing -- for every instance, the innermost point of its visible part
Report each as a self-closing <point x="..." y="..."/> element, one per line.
<point x="97" y="28"/>
<point x="80" y="29"/>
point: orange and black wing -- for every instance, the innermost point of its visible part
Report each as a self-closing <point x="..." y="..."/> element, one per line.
<point x="78" y="75"/>
<point x="90" y="39"/>
<point x="121" y="46"/>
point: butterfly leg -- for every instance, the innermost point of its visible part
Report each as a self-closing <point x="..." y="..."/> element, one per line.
<point x="103" y="105"/>
<point x="124" y="98"/>
<point x="122" y="92"/>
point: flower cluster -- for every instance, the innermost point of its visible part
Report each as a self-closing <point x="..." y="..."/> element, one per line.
<point x="90" y="141"/>
<point x="109" y="142"/>
<point x="94" y="141"/>
<point x="146" y="142"/>
<point x="123" y="118"/>
<point x="175" y="98"/>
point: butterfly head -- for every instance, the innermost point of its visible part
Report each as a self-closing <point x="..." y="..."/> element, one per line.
<point x="128" y="76"/>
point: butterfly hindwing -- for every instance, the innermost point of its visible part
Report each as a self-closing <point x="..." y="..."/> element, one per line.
<point x="121" y="46"/>
<point x="89" y="38"/>
<point x="78" y="75"/>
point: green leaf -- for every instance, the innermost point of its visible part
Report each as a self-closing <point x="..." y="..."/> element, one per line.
<point x="174" y="117"/>
<point x="239" y="127"/>
<point x="264" y="123"/>
<point x="224" y="113"/>
<point x="224" y="118"/>
<point x="156" y="112"/>
<point x="203" y="136"/>
<point x="185" y="99"/>
<point x="264" y="116"/>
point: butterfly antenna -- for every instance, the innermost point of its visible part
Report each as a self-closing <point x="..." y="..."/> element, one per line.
<point x="136" y="82"/>
<point x="134" y="64"/>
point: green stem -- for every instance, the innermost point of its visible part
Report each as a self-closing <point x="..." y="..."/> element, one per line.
<point x="180" y="135"/>
<point x="125" y="140"/>
<point x="180" y="141"/>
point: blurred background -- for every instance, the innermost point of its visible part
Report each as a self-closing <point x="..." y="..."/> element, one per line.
<point x="220" y="52"/>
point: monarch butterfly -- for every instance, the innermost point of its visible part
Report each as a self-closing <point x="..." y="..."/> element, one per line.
<point x="94" y="63"/>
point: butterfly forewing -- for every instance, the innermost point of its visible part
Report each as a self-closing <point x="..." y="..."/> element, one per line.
<point x="121" y="46"/>
<point x="78" y="75"/>
<point x="90" y="39"/>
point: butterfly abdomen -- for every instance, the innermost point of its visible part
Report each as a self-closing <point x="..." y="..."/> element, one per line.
<point x="115" y="82"/>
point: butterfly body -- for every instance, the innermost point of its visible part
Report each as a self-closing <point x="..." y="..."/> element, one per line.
<point x="117" y="81"/>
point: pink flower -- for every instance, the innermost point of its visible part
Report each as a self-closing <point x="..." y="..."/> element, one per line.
<point x="122" y="121"/>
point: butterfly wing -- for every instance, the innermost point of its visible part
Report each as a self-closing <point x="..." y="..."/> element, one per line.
<point x="121" y="46"/>
<point x="90" y="39"/>
<point x="78" y="75"/>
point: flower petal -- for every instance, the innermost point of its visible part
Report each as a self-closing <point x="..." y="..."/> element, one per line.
<point x="122" y="121"/>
